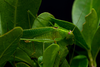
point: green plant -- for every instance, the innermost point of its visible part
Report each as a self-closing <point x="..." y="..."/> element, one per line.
<point x="44" y="41"/>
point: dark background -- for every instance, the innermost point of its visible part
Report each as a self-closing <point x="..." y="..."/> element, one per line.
<point x="61" y="9"/>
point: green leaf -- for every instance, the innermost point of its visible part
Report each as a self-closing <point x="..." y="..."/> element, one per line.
<point x="77" y="33"/>
<point x="21" y="64"/>
<point x="20" y="55"/>
<point x="43" y="20"/>
<point x="15" y="13"/>
<point x="27" y="47"/>
<point x="79" y="61"/>
<point x="38" y="49"/>
<point x="61" y="55"/>
<point x="33" y="49"/>
<point x="49" y="55"/>
<point x="2" y="65"/>
<point x="96" y="6"/>
<point x="40" y="61"/>
<point x="90" y="27"/>
<point x="62" y="52"/>
<point x="80" y="9"/>
<point x="9" y="42"/>
<point x="95" y="45"/>
<point x="65" y="64"/>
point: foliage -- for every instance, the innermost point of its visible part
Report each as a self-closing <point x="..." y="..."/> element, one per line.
<point x="28" y="40"/>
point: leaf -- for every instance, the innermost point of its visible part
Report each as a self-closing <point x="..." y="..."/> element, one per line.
<point x="49" y="55"/>
<point x="33" y="49"/>
<point x="95" y="45"/>
<point x="9" y="43"/>
<point x="77" y="33"/>
<point x="38" y="49"/>
<point x="21" y="64"/>
<point x="96" y="6"/>
<point x="61" y="56"/>
<point x="27" y="47"/>
<point x="43" y="20"/>
<point x="65" y="64"/>
<point x="90" y="27"/>
<point x="79" y="61"/>
<point x="62" y="52"/>
<point x="40" y="61"/>
<point x="15" y="13"/>
<point x="80" y="9"/>
<point x="20" y="55"/>
<point x="2" y="65"/>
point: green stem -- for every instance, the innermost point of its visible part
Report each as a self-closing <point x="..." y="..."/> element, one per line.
<point x="43" y="46"/>
<point x="72" y="55"/>
<point x="92" y="62"/>
<point x="15" y="13"/>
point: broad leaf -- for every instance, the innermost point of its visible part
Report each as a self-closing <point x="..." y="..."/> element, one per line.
<point x="65" y="64"/>
<point x="80" y="9"/>
<point x="38" y="48"/>
<point x="20" y="55"/>
<point x="95" y="45"/>
<point x="77" y="33"/>
<point x="61" y="56"/>
<point x="21" y="64"/>
<point x="79" y="61"/>
<point x="40" y="61"/>
<point x="9" y="43"/>
<point x="27" y="47"/>
<point x="2" y="65"/>
<point x="33" y="49"/>
<point x="96" y="6"/>
<point x="49" y="55"/>
<point x="43" y="20"/>
<point x="62" y="52"/>
<point x="90" y="27"/>
<point x="15" y="13"/>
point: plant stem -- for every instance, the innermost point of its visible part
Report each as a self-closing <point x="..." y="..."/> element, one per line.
<point x="43" y="46"/>
<point x="72" y="55"/>
<point x="92" y="62"/>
